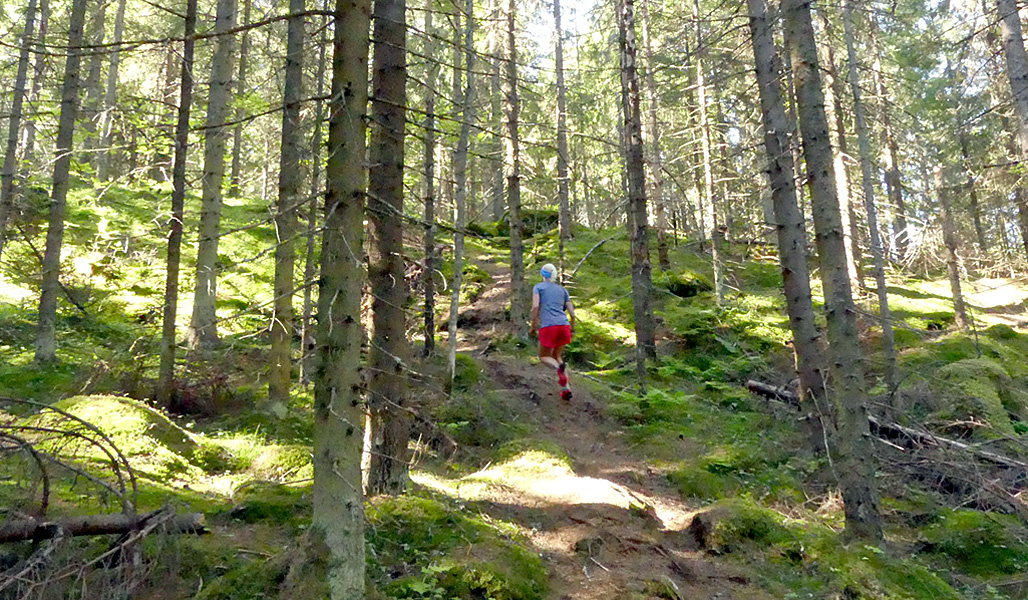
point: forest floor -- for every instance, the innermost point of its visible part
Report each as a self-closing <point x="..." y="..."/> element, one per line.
<point x="610" y="526"/>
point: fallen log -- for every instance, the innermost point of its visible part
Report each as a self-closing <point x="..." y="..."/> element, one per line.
<point x="922" y="437"/>
<point x="39" y="529"/>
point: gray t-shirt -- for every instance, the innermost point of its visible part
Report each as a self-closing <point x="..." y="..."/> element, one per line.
<point x="552" y="298"/>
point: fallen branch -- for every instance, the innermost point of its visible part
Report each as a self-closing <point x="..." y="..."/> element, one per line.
<point x="37" y="529"/>
<point x="918" y="436"/>
<point x="597" y="245"/>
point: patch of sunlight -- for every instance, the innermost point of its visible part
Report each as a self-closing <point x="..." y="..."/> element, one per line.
<point x="12" y="292"/>
<point x="990" y="293"/>
<point x="609" y="328"/>
<point x="536" y="479"/>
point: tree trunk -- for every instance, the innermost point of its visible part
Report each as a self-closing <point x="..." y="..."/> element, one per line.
<point x="792" y="235"/>
<point x="840" y="152"/>
<point x="28" y="142"/>
<point x="1017" y="67"/>
<point x="518" y="299"/>
<point x="656" y="161"/>
<point x="338" y="522"/>
<point x="972" y="193"/>
<point x="428" y="178"/>
<point x="890" y="154"/>
<point x="203" y="326"/>
<point x="867" y="183"/>
<point x="45" y="345"/>
<point x="460" y="174"/>
<point x="237" y="130"/>
<point x="9" y="169"/>
<point x="496" y="112"/>
<point x="638" y="229"/>
<point x="388" y="421"/>
<point x="166" y="375"/>
<point x="91" y="93"/>
<point x="290" y="198"/>
<point x="712" y="201"/>
<point x="105" y="159"/>
<point x="853" y="444"/>
<point x="563" y="195"/>
<point x="949" y="237"/>
<point x="310" y="268"/>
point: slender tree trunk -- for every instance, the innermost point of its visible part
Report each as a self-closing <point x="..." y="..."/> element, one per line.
<point x="237" y="130"/>
<point x="1017" y="67"/>
<point x="46" y="350"/>
<point x="338" y="522"/>
<point x="388" y="420"/>
<point x="853" y="442"/>
<point x="428" y="178"/>
<point x="890" y="154"/>
<point x="310" y="268"/>
<point x="166" y="377"/>
<point x="518" y="299"/>
<point x="161" y="162"/>
<point x="28" y="142"/>
<point x="9" y="169"/>
<point x="203" y="326"/>
<point x="792" y="235"/>
<point x="840" y="151"/>
<point x="91" y="93"/>
<point x="460" y="173"/>
<point x="712" y="201"/>
<point x="972" y="193"/>
<point x="949" y="237"/>
<point x="867" y="183"/>
<point x="290" y="198"/>
<point x="496" y="112"/>
<point x="105" y="159"/>
<point x="656" y="162"/>
<point x="563" y="194"/>
<point x="638" y="228"/>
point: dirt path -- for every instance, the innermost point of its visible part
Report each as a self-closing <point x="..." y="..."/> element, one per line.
<point x="610" y="527"/>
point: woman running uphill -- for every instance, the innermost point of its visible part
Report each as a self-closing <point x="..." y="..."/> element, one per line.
<point x="552" y="309"/>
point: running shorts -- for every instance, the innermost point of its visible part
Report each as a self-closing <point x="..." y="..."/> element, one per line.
<point x="554" y="336"/>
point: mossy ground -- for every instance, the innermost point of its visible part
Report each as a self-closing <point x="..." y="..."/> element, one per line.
<point x="698" y="429"/>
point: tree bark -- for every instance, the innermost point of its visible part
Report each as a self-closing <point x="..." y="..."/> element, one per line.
<point x="203" y="326"/>
<point x="290" y="198"/>
<point x="867" y="184"/>
<point x="789" y="225"/>
<point x="91" y="93"/>
<point x="388" y="421"/>
<point x="46" y="350"/>
<point x="105" y="159"/>
<point x="460" y="174"/>
<point x="237" y="131"/>
<point x="166" y="375"/>
<point x="638" y="227"/>
<point x="496" y="112"/>
<point x="310" y="268"/>
<point x="338" y="522"/>
<point x="656" y="161"/>
<point x="428" y="178"/>
<point x="110" y="524"/>
<point x="512" y="143"/>
<point x="949" y="236"/>
<point x="28" y="142"/>
<point x="1017" y="67"/>
<point x="972" y="193"/>
<point x="854" y="455"/>
<point x="563" y="195"/>
<point x="9" y="169"/>
<point x="712" y="201"/>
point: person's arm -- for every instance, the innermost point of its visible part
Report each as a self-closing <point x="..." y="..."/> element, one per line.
<point x="571" y="312"/>
<point x="535" y="312"/>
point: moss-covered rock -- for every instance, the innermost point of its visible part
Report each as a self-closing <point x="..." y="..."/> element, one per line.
<point x="264" y="501"/>
<point x="282" y="462"/>
<point x="424" y="549"/>
<point x="974" y="388"/>
<point x="154" y="445"/>
<point x="982" y="543"/>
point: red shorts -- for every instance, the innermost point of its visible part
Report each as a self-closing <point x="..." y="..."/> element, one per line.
<point x="554" y="336"/>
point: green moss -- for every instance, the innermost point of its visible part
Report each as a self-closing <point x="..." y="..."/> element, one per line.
<point x="974" y="388"/>
<point x="282" y="462"/>
<point x="262" y="501"/>
<point x="257" y="579"/>
<point x="982" y="543"/>
<point x="423" y="549"/>
<point x="466" y="372"/>
<point x="692" y="482"/>
<point x="740" y="524"/>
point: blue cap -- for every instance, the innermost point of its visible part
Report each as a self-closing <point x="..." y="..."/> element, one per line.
<point x="545" y="272"/>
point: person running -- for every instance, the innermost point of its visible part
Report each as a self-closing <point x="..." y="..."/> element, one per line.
<point x="553" y="318"/>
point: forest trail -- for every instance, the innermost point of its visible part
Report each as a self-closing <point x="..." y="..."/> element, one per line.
<point x="609" y="526"/>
